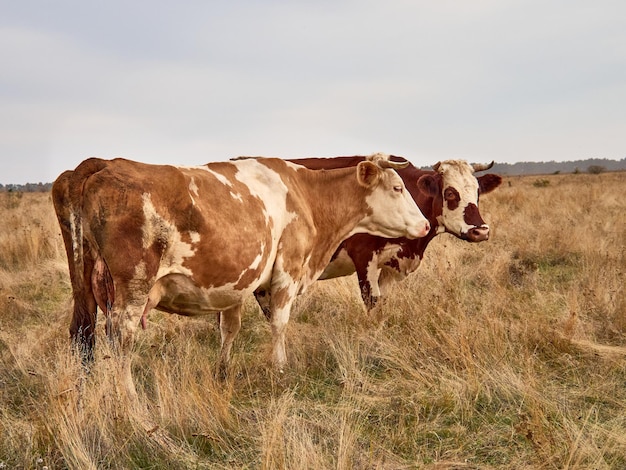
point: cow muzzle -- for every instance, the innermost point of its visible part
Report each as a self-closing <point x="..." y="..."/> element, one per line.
<point x="478" y="234"/>
<point x="419" y="231"/>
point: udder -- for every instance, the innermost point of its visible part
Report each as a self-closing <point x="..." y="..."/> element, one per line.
<point x="179" y="294"/>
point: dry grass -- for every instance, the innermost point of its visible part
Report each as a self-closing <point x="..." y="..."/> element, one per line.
<point x="507" y="354"/>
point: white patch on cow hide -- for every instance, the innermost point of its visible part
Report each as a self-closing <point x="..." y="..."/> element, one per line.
<point x="257" y="261"/>
<point x="459" y="175"/>
<point x="236" y="197"/>
<point x="441" y="227"/>
<point x="193" y="189"/>
<point x="309" y="276"/>
<point x="294" y="166"/>
<point x="221" y="178"/>
<point x="156" y="228"/>
<point x="373" y="273"/>
<point x="262" y="182"/>
<point x="77" y="234"/>
<point x="267" y="185"/>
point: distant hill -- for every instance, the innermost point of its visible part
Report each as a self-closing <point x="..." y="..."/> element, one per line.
<point x="591" y="165"/>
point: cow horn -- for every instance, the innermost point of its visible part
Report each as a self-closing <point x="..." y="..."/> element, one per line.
<point x="482" y="166"/>
<point x="436" y="166"/>
<point x="394" y="165"/>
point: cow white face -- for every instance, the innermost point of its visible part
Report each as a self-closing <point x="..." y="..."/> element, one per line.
<point x="393" y="212"/>
<point x="459" y="189"/>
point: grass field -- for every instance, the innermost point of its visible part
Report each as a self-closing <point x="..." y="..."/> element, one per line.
<point x="507" y="354"/>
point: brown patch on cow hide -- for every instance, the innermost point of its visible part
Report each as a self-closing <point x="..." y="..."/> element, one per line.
<point x="452" y="197"/>
<point x="280" y="297"/>
<point x="471" y="215"/>
<point x="231" y="240"/>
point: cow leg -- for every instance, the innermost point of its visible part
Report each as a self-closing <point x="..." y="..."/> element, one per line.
<point x="279" y="319"/>
<point x="366" y="294"/>
<point x="129" y="322"/>
<point x="85" y="312"/>
<point x="230" y="323"/>
<point x="367" y="272"/>
<point x="383" y="284"/>
<point x="121" y="329"/>
<point x="386" y="281"/>
<point x="83" y="328"/>
<point x="370" y="291"/>
<point x="124" y="326"/>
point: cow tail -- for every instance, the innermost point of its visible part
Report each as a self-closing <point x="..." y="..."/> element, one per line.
<point x="104" y="291"/>
<point x="67" y="195"/>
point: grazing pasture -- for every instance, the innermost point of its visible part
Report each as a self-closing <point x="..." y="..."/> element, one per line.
<point x="506" y="354"/>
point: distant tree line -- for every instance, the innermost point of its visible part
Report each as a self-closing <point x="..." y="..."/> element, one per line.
<point x="26" y="188"/>
<point x="591" y="165"/>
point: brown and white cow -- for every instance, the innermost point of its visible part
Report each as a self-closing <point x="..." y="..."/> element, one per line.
<point x="196" y="240"/>
<point x="447" y="196"/>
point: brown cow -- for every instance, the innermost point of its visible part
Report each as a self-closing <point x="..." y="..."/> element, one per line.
<point x="447" y="196"/>
<point x="196" y="240"/>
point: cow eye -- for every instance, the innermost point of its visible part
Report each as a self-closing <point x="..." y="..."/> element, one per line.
<point x="449" y="194"/>
<point x="397" y="189"/>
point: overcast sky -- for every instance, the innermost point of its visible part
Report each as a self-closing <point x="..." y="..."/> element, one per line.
<point x="190" y="82"/>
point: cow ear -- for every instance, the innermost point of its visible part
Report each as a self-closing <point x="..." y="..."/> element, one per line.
<point x="429" y="185"/>
<point x="488" y="182"/>
<point x="368" y="173"/>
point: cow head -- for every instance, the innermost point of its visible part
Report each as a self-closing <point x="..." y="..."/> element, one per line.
<point x="392" y="212"/>
<point x="456" y="190"/>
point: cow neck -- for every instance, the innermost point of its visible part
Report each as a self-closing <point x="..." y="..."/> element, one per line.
<point x="337" y="203"/>
<point x="430" y="206"/>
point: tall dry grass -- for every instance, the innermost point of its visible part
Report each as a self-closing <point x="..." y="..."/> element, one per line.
<point x="506" y="354"/>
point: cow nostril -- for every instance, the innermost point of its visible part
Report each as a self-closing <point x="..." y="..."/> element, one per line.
<point x="478" y="234"/>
